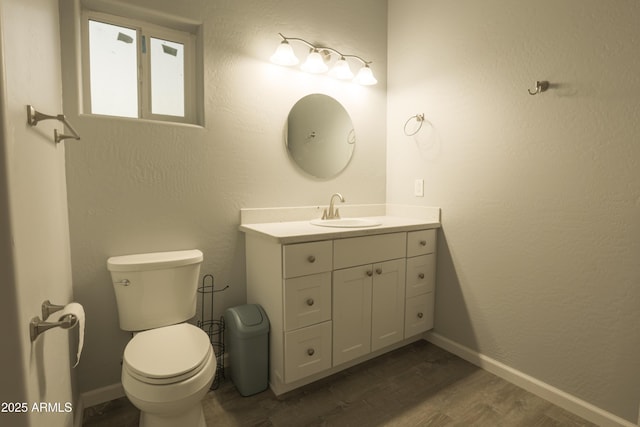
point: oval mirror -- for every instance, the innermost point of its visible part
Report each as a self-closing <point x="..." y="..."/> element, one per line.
<point x="319" y="136"/>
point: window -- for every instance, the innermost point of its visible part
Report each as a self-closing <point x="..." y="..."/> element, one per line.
<point x="139" y="70"/>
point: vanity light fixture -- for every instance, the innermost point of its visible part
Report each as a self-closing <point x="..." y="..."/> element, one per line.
<point x="341" y="70"/>
<point x="317" y="61"/>
<point x="365" y="76"/>
<point x="284" y="55"/>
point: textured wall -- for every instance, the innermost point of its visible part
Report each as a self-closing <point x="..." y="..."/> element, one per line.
<point x="136" y="186"/>
<point x="540" y="195"/>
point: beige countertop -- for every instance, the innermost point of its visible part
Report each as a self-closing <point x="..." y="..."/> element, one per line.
<point x="286" y="232"/>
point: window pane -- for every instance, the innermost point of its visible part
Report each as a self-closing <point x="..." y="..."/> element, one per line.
<point x="167" y="77"/>
<point x="113" y="70"/>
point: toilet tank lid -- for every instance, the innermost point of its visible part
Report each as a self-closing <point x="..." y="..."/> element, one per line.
<point x="154" y="261"/>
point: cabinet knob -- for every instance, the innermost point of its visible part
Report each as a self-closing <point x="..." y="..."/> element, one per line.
<point x="378" y="271"/>
<point x="421" y="276"/>
<point x="310" y="302"/>
<point x="369" y="273"/>
<point x="311" y="259"/>
<point x="420" y="315"/>
<point x="423" y="243"/>
<point x="311" y="352"/>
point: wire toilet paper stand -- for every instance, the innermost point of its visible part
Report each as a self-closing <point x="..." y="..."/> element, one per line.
<point x="214" y="328"/>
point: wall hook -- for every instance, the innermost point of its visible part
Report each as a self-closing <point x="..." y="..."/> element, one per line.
<point x="541" y="86"/>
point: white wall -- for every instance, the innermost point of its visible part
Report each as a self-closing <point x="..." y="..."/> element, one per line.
<point x="540" y="195"/>
<point x="34" y="254"/>
<point x="137" y="186"/>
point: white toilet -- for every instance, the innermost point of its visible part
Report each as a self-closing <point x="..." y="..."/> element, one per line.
<point x="168" y="366"/>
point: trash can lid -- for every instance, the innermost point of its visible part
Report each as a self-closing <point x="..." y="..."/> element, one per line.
<point x="246" y="321"/>
<point x="249" y="315"/>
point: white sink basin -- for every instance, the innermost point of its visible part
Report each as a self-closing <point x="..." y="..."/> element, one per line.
<point x="346" y="222"/>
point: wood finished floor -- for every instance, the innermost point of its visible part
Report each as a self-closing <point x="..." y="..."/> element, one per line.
<point x="417" y="385"/>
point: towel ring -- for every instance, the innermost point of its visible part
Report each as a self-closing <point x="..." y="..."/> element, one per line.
<point x="419" y="118"/>
<point x="34" y="116"/>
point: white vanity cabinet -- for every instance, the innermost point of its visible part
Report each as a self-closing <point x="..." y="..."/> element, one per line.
<point x="336" y="301"/>
<point x="420" y="282"/>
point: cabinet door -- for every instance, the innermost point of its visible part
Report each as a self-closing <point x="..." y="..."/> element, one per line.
<point x="307" y="351"/>
<point x="419" y="315"/>
<point x="351" y="313"/>
<point x="302" y="259"/>
<point x="421" y="242"/>
<point x="421" y="275"/>
<point x="387" y="309"/>
<point x="307" y="300"/>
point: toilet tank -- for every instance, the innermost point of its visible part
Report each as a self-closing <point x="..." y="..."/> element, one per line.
<point x="156" y="289"/>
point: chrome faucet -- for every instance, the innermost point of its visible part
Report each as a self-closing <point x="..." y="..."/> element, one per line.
<point x="332" y="213"/>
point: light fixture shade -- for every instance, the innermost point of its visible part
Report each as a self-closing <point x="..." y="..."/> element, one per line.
<point x="365" y="76"/>
<point x="341" y="70"/>
<point x="314" y="63"/>
<point x="284" y="55"/>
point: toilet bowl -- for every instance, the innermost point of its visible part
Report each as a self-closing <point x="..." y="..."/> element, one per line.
<point x="166" y="372"/>
<point x="169" y="365"/>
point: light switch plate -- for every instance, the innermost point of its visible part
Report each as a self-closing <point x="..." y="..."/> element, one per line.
<point x="418" y="188"/>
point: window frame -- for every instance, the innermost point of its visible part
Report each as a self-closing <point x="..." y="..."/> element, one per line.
<point x="144" y="32"/>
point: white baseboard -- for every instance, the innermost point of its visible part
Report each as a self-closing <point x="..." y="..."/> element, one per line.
<point x="102" y="395"/>
<point x="554" y="395"/>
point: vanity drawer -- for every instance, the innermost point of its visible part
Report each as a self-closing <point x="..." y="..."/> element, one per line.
<point x="418" y="315"/>
<point x="421" y="275"/>
<point x="307" y="351"/>
<point x="307" y="258"/>
<point x="421" y="242"/>
<point x="307" y="300"/>
<point x="368" y="249"/>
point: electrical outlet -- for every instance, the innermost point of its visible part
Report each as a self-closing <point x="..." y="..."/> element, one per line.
<point x="418" y="188"/>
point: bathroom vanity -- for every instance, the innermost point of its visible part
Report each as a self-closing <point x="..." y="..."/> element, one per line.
<point x="338" y="296"/>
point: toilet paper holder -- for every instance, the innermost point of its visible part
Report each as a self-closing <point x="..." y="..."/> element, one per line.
<point x="38" y="326"/>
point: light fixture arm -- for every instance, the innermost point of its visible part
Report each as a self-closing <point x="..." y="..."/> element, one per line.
<point x="321" y="48"/>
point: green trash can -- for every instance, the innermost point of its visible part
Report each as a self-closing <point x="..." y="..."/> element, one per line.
<point x="247" y="343"/>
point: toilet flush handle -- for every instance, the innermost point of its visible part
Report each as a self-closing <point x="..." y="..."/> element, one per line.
<point x="123" y="282"/>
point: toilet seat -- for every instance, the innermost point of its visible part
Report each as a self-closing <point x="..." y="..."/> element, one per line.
<point x="167" y="355"/>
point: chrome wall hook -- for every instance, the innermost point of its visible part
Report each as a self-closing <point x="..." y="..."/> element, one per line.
<point x="541" y="86"/>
